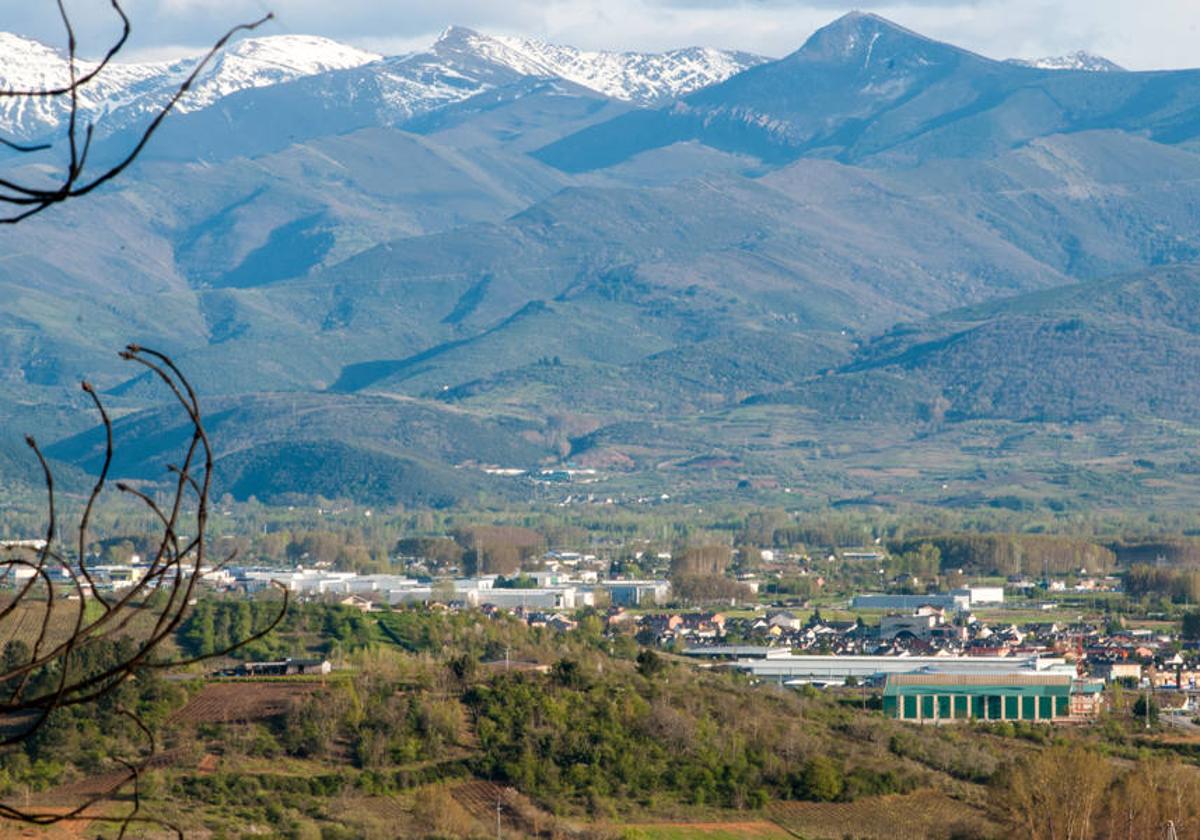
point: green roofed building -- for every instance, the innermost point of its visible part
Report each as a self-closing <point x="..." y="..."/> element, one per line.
<point x="946" y="698"/>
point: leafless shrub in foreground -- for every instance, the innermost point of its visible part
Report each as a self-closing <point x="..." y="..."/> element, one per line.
<point x="142" y="617"/>
<point x="59" y="591"/>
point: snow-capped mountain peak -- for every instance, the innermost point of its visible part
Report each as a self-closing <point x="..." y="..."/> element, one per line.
<point x="460" y="64"/>
<point x="1079" y="60"/>
<point x="124" y="92"/>
<point x="271" y="60"/>
<point x="643" y="78"/>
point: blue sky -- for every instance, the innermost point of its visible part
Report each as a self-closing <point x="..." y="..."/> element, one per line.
<point x="1149" y="34"/>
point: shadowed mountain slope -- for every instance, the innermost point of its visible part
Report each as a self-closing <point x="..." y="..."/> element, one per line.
<point x="1125" y="347"/>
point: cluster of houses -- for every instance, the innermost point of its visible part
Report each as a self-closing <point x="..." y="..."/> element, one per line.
<point x="1134" y="657"/>
<point x="667" y="628"/>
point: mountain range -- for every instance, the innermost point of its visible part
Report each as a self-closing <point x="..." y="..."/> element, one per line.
<point x="697" y="272"/>
<point x="460" y="64"/>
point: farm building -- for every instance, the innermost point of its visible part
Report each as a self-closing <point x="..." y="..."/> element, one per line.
<point x="284" y="668"/>
<point x="943" y="698"/>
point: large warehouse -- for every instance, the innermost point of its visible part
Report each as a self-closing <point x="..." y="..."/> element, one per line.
<point x="944" y="698"/>
<point x="788" y="669"/>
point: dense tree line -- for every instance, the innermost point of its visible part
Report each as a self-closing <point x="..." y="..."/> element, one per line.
<point x="440" y="552"/>
<point x="1013" y="554"/>
<point x="709" y="589"/>
<point x="1178" y="585"/>
<point x="85" y="739"/>
<point x="1180" y="551"/>
<point x="1103" y="801"/>
<point x="499" y="550"/>
<point x="215" y="624"/>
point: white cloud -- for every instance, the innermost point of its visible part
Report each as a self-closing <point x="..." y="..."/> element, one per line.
<point x="1145" y="35"/>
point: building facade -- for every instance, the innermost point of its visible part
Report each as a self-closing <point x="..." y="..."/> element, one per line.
<point x="946" y="698"/>
<point x="911" y="602"/>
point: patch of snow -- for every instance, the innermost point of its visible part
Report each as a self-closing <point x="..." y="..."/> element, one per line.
<point x="871" y="49"/>
<point x="643" y="78"/>
<point x="1079" y="60"/>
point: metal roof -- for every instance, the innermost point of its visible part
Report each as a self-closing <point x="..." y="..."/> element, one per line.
<point x="1007" y="680"/>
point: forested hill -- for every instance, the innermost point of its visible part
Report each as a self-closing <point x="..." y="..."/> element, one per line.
<point x="760" y="276"/>
<point x="1125" y="347"/>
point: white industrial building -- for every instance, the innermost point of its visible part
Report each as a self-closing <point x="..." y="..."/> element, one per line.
<point x="981" y="595"/>
<point x="553" y="592"/>
<point x="637" y="593"/>
<point x="956" y="600"/>
<point x="909" y="603"/>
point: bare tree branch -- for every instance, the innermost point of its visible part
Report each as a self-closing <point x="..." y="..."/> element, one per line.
<point x="75" y="180"/>
<point x="47" y="677"/>
<point x="147" y="613"/>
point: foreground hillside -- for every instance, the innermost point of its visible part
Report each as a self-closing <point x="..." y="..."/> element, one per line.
<point x="427" y="733"/>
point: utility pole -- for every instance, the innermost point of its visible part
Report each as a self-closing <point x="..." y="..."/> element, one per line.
<point x="497" y="816"/>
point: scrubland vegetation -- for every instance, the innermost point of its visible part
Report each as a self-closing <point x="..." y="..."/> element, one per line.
<point x="583" y="734"/>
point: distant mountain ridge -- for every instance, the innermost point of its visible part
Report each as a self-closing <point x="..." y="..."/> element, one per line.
<point x="865" y="90"/>
<point x="126" y="92"/>
<point x="642" y="78"/>
<point x="448" y="71"/>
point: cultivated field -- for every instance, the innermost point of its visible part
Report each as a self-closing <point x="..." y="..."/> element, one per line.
<point x="919" y="816"/>
<point x="24" y="623"/>
<point x="518" y="815"/>
<point x="241" y="701"/>
<point x="706" y="831"/>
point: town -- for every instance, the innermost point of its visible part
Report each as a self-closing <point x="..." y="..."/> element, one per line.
<point x="1018" y="641"/>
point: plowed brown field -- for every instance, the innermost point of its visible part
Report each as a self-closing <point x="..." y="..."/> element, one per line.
<point x="237" y="702"/>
